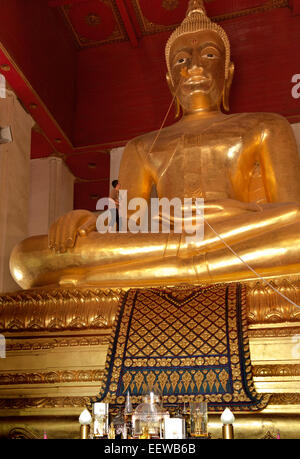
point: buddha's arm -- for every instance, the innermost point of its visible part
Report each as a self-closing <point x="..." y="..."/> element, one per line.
<point x="279" y="159"/>
<point x="65" y="233"/>
<point x="134" y="176"/>
<point x="73" y="244"/>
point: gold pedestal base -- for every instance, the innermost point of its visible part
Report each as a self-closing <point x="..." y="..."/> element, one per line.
<point x="56" y="346"/>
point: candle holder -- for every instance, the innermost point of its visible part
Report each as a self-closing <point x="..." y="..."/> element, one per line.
<point x="198" y="416"/>
<point x="85" y="420"/>
<point x="227" y="419"/>
<point x="128" y="410"/>
<point x="227" y="432"/>
<point x="84" y="432"/>
<point x="101" y="421"/>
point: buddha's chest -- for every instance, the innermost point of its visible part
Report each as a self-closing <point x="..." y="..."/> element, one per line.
<point x="197" y="165"/>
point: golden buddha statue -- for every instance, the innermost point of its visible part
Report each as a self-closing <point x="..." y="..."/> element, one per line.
<point x="206" y="154"/>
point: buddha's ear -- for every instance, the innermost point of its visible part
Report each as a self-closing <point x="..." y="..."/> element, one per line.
<point x="170" y="84"/>
<point x="171" y="87"/>
<point x="227" y="86"/>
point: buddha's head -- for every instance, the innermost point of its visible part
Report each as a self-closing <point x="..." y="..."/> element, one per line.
<point x="198" y="59"/>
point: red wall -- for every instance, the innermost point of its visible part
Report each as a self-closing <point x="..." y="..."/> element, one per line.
<point x="39" y="42"/>
<point x="122" y="91"/>
<point x="267" y="54"/>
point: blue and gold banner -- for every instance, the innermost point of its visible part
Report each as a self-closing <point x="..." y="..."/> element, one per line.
<point x="186" y="344"/>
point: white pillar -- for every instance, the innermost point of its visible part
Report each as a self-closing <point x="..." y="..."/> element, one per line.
<point x="14" y="183"/>
<point x="51" y="193"/>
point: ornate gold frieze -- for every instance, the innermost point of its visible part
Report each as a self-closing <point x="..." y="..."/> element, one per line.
<point x="19" y="433"/>
<point x="37" y="344"/>
<point x="44" y="402"/>
<point x="269" y="436"/>
<point x="275" y="370"/>
<point x="51" y="377"/>
<point x="58" y="309"/>
<point x="58" y="376"/>
<point x="268" y="304"/>
<point x="273" y="332"/>
<point x="285" y="399"/>
<point x="78" y="402"/>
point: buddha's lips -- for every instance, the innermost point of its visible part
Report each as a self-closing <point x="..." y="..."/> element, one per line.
<point x="196" y="79"/>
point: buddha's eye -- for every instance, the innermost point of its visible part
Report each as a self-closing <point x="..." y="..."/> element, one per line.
<point x="210" y="53"/>
<point x="182" y="60"/>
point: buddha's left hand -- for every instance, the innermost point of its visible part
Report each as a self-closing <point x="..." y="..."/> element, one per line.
<point x="64" y="232"/>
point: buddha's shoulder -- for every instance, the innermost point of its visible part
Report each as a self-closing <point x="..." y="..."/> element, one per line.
<point x="256" y="120"/>
<point x="145" y="142"/>
<point x="238" y="123"/>
<point x="145" y="138"/>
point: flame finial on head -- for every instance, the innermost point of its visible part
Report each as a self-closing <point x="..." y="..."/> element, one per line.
<point x="196" y="6"/>
<point x="197" y="20"/>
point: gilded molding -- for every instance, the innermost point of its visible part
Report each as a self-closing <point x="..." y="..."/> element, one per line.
<point x="269" y="436"/>
<point x="274" y="332"/>
<point x="18" y="433"/>
<point x="266" y="306"/>
<point x="45" y="402"/>
<point x="51" y="377"/>
<point x="58" y="376"/>
<point x="266" y="371"/>
<point x="285" y="399"/>
<point x="58" y="309"/>
<point x="36" y="344"/>
<point x="79" y="402"/>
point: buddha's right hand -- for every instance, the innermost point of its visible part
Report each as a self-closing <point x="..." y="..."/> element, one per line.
<point x="64" y="232"/>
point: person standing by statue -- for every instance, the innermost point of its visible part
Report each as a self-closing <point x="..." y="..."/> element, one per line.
<point x="114" y="195"/>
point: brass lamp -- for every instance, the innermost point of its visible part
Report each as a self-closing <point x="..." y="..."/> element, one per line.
<point x="85" y="420"/>
<point x="227" y="419"/>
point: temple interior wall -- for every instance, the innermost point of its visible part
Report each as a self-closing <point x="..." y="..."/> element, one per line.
<point x="14" y="183"/>
<point x="51" y="193"/>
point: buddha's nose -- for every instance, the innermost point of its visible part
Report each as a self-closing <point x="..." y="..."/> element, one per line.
<point x="196" y="63"/>
<point x="196" y="69"/>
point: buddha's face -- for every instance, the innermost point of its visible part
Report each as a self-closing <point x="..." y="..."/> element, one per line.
<point x="197" y="64"/>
